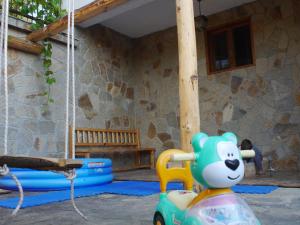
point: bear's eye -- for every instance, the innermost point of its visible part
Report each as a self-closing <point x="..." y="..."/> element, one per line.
<point x="227" y="150"/>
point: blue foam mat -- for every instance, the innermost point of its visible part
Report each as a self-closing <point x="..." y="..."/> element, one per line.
<point x="252" y="189"/>
<point x="132" y="188"/>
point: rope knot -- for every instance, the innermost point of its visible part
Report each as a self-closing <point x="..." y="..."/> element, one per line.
<point x="71" y="174"/>
<point x="4" y="170"/>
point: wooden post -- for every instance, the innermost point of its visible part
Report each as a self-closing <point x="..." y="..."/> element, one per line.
<point x="188" y="75"/>
<point x="138" y="143"/>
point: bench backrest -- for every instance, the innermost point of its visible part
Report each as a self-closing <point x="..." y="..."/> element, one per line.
<point x="89" y="137"/>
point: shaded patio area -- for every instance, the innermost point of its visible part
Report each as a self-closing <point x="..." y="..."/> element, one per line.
<point x="280" y="207"/>
<point x="160" y="82"/>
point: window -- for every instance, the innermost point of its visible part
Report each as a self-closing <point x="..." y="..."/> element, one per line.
<point x="229" y="47"/>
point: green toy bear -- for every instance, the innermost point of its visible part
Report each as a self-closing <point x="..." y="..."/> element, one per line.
<point x="217" y="165"/>
<point x="218" y="162"/>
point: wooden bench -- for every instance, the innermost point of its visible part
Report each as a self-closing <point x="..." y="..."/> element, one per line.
<point x="90" y="141"/>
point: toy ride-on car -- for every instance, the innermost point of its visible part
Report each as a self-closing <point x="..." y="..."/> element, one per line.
<point x="217" y="165"/>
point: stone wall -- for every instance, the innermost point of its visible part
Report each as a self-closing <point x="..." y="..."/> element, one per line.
<point x="124" y="83"/>
<point x="104" y="97"/>
<point x="260" y="102"/>
<point x="156" y="78"/>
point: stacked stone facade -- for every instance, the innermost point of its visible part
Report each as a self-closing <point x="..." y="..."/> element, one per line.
<point x="260" y="102"/>
<point x="104" y="97"/>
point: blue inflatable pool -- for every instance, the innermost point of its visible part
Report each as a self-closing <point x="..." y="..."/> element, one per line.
<point x="94" y="172"/>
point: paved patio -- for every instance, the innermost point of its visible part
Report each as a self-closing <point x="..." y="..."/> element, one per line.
<point x="281" y="207"/>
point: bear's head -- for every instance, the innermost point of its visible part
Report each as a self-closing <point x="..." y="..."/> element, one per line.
<point x="218" y="162"/>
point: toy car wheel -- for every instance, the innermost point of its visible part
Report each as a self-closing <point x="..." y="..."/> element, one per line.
<point x="158" y="219"/>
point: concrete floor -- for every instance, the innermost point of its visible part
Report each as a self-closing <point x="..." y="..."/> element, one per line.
<point x="281" y="207"/>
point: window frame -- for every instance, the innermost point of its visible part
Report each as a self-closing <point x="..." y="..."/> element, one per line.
<point x="228" y="28"/>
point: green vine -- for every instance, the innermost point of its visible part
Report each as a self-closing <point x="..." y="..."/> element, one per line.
<point x="48" y="74"/>
<point x="42" y="12"/>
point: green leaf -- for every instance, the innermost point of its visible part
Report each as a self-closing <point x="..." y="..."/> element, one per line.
<point x="50" y="80"/>
<point x="48" y="72"/>
<point x="35" y="26"/>
<point x="45" y="12"/>
<point x="47" y="63"/>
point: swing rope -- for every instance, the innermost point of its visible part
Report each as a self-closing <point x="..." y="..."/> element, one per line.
<point x="70" y="60"/>
<point x="67" y="82"/>
<point x="5" y="74"/>
<point x="4" y="170"/>
<point x="1" y="41"/>
<point x="71" y="175"/>
<point x="73" y="81"/>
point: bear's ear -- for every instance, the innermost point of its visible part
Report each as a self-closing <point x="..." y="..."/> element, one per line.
<point x="230" y="137"/>
<point x="198" y="141"/>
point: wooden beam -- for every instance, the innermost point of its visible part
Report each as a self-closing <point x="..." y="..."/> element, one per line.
<point x="93" y="9"/>
<point x="25" y="27"/>
<point x="24" y="45"/>
<point x="40" y="163"/>
<point x="188" y="74"/>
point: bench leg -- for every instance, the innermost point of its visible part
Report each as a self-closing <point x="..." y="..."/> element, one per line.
<point x="83" y="155"/>
<point x="152" y="160"/>
<point x="137" y="158"/>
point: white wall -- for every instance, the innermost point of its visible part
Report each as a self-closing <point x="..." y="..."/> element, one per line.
<point x="78" y="3"/>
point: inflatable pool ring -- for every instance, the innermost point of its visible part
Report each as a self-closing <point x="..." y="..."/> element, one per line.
<point x="94" y="172"/>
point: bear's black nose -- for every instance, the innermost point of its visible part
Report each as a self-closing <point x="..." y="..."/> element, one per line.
<point x="232" y="164"/>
